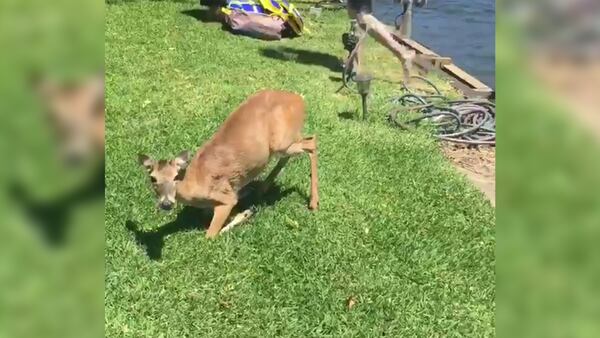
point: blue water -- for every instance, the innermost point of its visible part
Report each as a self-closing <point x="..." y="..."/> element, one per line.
<point x="461" y="29"/>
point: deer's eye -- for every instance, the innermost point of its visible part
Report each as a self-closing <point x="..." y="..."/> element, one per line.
<point x="180" y="175"/>
<point x="152" y="179"/>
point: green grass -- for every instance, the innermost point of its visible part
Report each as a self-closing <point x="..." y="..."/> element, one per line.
<point x="397" y="229"/>
<point x="51" y="247"/>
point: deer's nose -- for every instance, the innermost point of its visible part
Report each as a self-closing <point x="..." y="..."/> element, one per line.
<point x="166" y="205"/>
<point x="73" y="159"/>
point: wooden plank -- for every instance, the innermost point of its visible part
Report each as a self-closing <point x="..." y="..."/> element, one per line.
<point x="464" y="76"/>
<point x="461" y="80"/>
<point x="419" y="48"/>
<point x="442" y="61"/>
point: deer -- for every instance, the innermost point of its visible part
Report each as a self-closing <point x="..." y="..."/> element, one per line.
<point x="76" y="113"/>
<point x="267" y="124"/>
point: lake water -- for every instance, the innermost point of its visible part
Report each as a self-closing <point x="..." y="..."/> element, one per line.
<point x="461" y="29"/>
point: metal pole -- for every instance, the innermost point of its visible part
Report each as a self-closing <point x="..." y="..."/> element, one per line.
<point x="363" y="82"/>
<point x="406" y="26"/>
<point x="364" y="106"/>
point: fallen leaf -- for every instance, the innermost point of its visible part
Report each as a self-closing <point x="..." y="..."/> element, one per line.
<point x="194" y="295"/>
<point x="351" y="302"/>
<point x="292" y="223"/>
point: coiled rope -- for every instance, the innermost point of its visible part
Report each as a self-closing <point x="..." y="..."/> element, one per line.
<point x="465" y="121"/>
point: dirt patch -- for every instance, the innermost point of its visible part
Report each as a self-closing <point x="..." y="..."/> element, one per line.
<point x="574" y="83"/>
<point x="478" y="164"/>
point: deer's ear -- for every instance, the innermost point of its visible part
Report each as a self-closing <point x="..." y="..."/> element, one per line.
<point x="145" y="161"/>
<point x="182" y="160"/>
<point x="43" y="86"/>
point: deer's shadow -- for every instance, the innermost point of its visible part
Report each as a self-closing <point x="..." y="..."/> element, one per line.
<point x="190" y="218"/>
<point x="52" y="217"/>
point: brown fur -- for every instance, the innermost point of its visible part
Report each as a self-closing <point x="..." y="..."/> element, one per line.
<point x="266" y="124"/>
<point x="77" y="114"/>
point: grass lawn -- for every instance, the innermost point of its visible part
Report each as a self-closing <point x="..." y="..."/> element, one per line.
<point x="397" y="228"/>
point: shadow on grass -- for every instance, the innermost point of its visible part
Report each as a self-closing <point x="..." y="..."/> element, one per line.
<point x="348" y="115"/>
<point x="326" y="4"/>
<point x="119" y="2"/>
<point x="209" y="11"/>
<point x="303" y="56"/>
<point x="213" y="3"/>
<point x="153" y="241"/>
<point x="205" y="15"/>
<point x="191" y="218"/>
<point x="52" y="218"/>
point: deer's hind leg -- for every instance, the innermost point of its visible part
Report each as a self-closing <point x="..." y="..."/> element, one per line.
<point x="237" y="220"/>
<point x="308" y="145"/>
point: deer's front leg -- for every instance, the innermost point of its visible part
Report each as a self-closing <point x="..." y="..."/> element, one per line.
<point x="221" y="213"/>
<point x="309" y="146"/>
